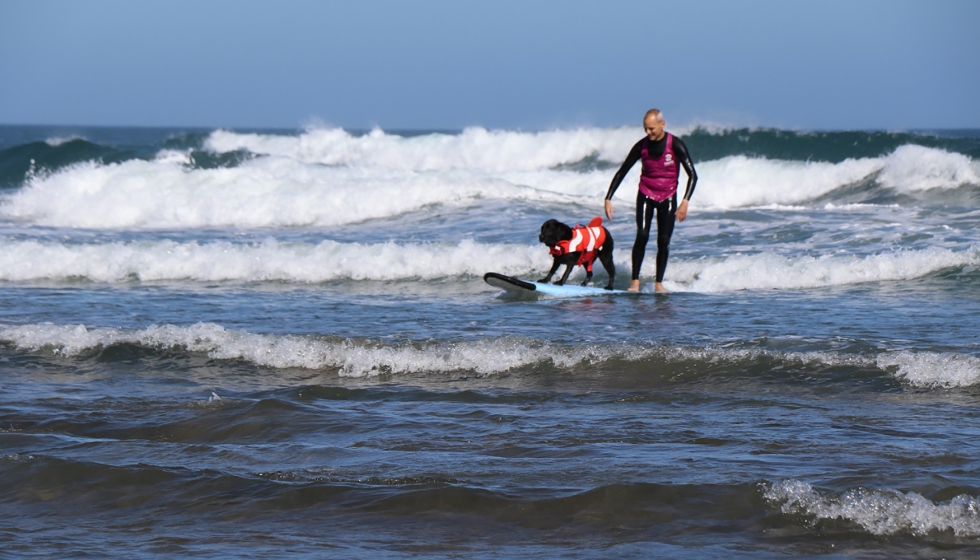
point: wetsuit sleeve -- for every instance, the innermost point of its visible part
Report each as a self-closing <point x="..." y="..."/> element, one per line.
<point x="680" y="150"/>
<point x="631" y="159"/>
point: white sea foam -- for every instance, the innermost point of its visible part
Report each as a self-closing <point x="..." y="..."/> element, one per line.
<point x="266" y="261"/>
<point x="771" y="271"/>
<point x="350" y="358"/>
<point x="932" y="370"/>
<point x="738" y="181"/>
<point x="260" y="193"/>
<point x="475" y="149"/>
<point x="361" y="358"/>
<point x="917" y="168"/>
<point x="328" y="177"/>
<point x="271" y="260"/>
<point x="56" y="141"/>
<point x="880" y="512"/>
<point x="180" y="157"/>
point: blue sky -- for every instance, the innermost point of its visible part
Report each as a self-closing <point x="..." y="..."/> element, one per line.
<point x="525" y="64"/>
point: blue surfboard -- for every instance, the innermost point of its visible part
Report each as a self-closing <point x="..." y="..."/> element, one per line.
<point x="523" y="287"/>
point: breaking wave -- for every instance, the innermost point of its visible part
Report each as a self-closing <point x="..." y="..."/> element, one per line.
<point x="771" y="271"/>
<point x="299" y="262"/>
<point x="367" y="358"/>
<point x="330" y="177"/>
<point x="879" y="511"/>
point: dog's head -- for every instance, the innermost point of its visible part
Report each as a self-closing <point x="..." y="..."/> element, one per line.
<point x="554" y="231"/>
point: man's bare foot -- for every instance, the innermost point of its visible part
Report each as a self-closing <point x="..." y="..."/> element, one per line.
<point x="634" y="286"/>
<point x="658" y="287"/>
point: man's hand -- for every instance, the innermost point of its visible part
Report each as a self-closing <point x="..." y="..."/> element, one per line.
<point x="609" y="209"/>
<point x="681" y="211"/>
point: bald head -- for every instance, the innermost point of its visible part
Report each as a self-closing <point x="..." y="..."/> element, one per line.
<point x="653" y="124"/>
<point x="655" y="113"/>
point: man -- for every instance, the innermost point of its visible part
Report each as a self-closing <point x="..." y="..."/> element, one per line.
<point x="660" y="152"/>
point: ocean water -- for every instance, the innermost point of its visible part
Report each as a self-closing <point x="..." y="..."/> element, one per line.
<point x="220" y="343"/>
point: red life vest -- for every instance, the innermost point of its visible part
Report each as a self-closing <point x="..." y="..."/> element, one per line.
<point x="587" y="239"/>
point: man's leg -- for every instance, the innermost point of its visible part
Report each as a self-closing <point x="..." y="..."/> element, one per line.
<point x="644" y="219"/>
<point x="666" y="218"/>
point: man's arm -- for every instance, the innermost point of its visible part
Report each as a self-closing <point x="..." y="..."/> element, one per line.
<point x="631" y="159"/>
<point x="680" y="150"/>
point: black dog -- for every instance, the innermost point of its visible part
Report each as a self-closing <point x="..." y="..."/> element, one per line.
<point x="570" y="246"/>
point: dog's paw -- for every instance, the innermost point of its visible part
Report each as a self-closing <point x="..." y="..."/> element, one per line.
<point x="608" y="287"/>
<point x="559" y="283"/>
<point x="585" y="282"/>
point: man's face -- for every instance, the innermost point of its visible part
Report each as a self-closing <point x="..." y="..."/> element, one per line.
<point x="654" y="127"/>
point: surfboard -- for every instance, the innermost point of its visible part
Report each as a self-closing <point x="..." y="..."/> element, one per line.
<point x="523" y="287"/>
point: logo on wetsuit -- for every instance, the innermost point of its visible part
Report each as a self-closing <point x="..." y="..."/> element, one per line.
<point x="668" y="159"/>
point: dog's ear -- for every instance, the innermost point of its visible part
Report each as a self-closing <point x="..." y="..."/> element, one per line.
<point x="563" y="231"/>
<point x="547" y="235"/>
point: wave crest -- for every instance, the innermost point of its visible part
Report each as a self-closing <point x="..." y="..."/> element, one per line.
<point x="305" y="180"/>
<point x="349" y="357"/>
<point x="880" y="512"/>
<point x="771" y="271"/>
<point x="932" y="370"/>
<point x="490" y="356"/>
<point x="478" y="149"/>
<point x="267" y="261"/>
<point x="274" y="261"/>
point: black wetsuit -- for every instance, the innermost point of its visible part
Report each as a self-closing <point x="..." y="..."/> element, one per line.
<point x="666" y="210"/>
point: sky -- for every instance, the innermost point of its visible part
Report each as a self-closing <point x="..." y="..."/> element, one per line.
<point x="529" y="65"/>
